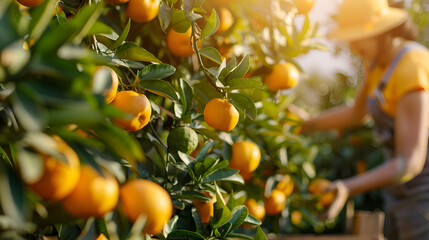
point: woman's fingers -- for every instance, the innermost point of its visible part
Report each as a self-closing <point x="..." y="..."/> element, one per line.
<point x="341" y="196"/>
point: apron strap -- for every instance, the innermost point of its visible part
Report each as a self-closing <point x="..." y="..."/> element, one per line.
<point x="391" y="68"/>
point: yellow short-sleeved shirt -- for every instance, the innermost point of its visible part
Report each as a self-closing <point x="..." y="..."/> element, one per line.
<point x="411" y="74"/>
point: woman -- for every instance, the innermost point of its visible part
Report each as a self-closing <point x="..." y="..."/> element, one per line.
<point x="395" y="94"/>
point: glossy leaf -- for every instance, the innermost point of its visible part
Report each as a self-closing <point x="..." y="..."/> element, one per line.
<point x="211" y="26"/>
<point x="27" y="109"/>
<point x="179" y="21"/>
<point x="132" y="51"/>
<point x="220" y="174"/>
<point x="241" y="70"/>
<point x="41" y="18"/>
<point x="239" y="214"/>
<point x="211" y="54"/>
<point x="184" y="234"/>
<point x="123" y="36"/>
<point x="260" y="235"/>
<point x="204" y="150"/>
<point x="165" y="16"/>
<point x="160" y="87"/>
<point x="156" y="71"/>
<point x="243" y="103"/>
<point x="243" y="83"/>
<point x="186" y="94"/>
<point x="192" y="195"/>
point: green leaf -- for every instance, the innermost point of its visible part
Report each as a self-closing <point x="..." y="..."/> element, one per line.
<point x="222" y="214"/>
<point x="182" y="234"/>
<point x="12" y="200"/>
<point x="121" y="143"/>
<point x="4" y="156"/>
<point x="192" y="195"/>
<point x="156" y="71"/>
<point x="211" y="26"/>
<point x="186" y="95"/>
<point x="28" y="109"/>
<point x="252" y="220"/>
<point x="132" y="51"/>
<point x="260" y="235"/>
<point x="100" y="28"/>
<point x="238" y="236"/>
<point x="198" y="223"/>
<point x="185" y="157"/>
<point x="243" y="83"/>
<point x="220" y="174"/>
<point x="70" y="232"/>
<point x="243" y="103"/>
<point x="180" y="22"/>
<point x="241" y="70"/>
<point x="160" y="87"/>
<point x="204" y="150"/>
<point x="75" y="30"/>
<point x="188" y="6"/>
<point x="40" y="19"/>
<point x="123" y="36"/>
<point x="214" y="166"/>
<point x="211" y="54"/>
<point x="165" y="15"/>
<point x="239" y="214"/>
<point x="225" y="229"/>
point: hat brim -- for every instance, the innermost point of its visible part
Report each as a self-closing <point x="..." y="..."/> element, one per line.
<point x="391" y="19"/>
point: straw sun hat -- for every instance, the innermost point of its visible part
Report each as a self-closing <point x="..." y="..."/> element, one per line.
<point x="359" y="19"/>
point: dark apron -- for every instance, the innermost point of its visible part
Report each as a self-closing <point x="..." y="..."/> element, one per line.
<point x="407" y="204"/>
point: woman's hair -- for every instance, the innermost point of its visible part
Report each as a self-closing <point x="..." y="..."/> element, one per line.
<point x="407" y="30"/>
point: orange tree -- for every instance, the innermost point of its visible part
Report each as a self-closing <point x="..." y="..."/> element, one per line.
<point x="169" y="60"/>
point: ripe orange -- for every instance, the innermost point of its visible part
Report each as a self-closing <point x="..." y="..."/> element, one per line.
<point x="255" y="209"/>
<point x="205" y="209"/>
<point x="304" y="6"/>
<point x="225" y="20"/>
<point x="180" y="43"/>
<point x="316" y="188"/>
<point x="245" y="156"/>
<point x="135" y="104"/>
<point x="30" y="3"/>
<point x="293" y="121"/>
<point x="116" y="1"/>
<point x="246" y="175"/>
<point x="144" y="197"/>
<point x="285" y="185"/>
<point x="142" y="10"/>
<point x="101" y="236"/>
<point x="296" y="217"/>
<point x="275" y="203"/>
<point x="110" y="93"/>
<point x="283" y="76"/>
<point x="58" y="178"/>
<point x="221" y="114"/>
<point x="94" y="194"/>
<point x="361" y="166"/>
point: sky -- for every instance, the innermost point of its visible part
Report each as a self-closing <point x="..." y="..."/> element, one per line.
<point x="325" y="64"/>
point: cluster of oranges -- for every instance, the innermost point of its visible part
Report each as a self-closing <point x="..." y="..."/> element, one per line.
<point x="84" y="191"/>
<point x="135" y="105"/>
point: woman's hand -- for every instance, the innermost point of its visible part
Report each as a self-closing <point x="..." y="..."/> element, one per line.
<point x="342" y="194"/>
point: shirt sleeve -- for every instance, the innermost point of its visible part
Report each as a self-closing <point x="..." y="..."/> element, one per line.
<point x="411" y="75"/>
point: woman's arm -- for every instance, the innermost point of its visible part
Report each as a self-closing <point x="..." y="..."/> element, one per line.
<point x="411" y="139"/>
<point x="339" y="117"/>
<point x="411" y="136"/>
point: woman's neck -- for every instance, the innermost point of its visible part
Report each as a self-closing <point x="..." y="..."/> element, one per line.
<point x="388" y="50"/>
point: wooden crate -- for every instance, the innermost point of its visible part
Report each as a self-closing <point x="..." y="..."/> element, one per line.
<point x="363" y="226"/>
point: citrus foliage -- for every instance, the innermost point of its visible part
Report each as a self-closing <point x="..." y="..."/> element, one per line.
<point x="61" y="63"/>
